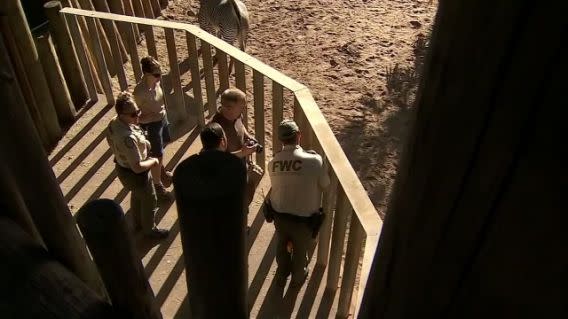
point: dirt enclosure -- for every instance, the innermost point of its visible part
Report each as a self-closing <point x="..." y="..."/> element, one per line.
<point x="358" y="57"/>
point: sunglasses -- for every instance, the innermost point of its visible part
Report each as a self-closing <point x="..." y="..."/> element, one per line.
<point x="134" y="114"/>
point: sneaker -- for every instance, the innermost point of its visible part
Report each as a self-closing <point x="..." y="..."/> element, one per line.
<point x="158" y="233"/>
<point x="162" y="193"/>
<point x="166" y="178"/>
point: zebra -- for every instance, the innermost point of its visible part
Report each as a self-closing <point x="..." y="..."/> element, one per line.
<point x="225" y="19"/>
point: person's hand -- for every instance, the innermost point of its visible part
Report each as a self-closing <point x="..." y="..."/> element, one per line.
<point x="248" y="149"/>
<point x="155" y="160"/>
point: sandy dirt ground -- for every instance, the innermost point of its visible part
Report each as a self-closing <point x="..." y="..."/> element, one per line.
<point x="346" y="52"/>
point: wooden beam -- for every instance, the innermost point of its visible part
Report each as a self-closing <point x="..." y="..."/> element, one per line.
<point x="240" y="79"/>
<point x="328" y="204"/>
<point x="258" y="86"/>
<point x="110" y="30"/>
<point x="104" y="227"/>
<point x="195" y="77"/>
<point x="114" y="41"/>
<point x="82" y="56"/>
<point x="30" y="59"/>
<point x="66" y="52"/>
<point x="209" y="79"/>
<point x="55" y="80"/>
<point x="277" y="115"/>
<point x="100" y="60"/>
<point x="352" y="258"/>
<point x="151" y="42"/>
<point x="178" y="108"/>
<point x="223" y="70"/>
<point x="342" y="214"/>
<point x="132" y="49"/>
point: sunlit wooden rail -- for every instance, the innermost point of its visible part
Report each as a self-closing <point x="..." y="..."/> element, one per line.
<point x="350" y="213"/>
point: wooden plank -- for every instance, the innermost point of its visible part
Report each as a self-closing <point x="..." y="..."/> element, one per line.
<point x="156" y="8"/>
<point x="237" y="54"/>
<point x="209" y="79"/>
<point x="195" y="77"/>
<point x="55" y="80"/>
<point x="128" y="10"/>
<point x="24" y="41"/>
<point x="103" y="225"/>
<point x="303" y="124"/>
<point x="179" y="111"/>
<point x="151" y="42"/>
<point x="110" y="30"/>
<point x="72" y="72"/>
<point x="138" y="9"/>
<point x="82" y="56"/>
<point x="223" y="70"/>
<point x="115" y="46"/>
<point x="100" y="60"/>
<point x="258" y="88"/>
<point x="242" y="85"/>
<point x="132" y="49"/>
<point x="105" y="45"/>
<point x="277" y="115"/>
<point x="328" y="204"/>
<point x="148" y="11"/>
<point x="352" y="257"/>
<point x="338" y="239"/>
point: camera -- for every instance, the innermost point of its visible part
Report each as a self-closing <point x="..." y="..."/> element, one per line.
<point x="259" y="148"/>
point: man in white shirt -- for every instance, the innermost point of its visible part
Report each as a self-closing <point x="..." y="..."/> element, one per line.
<point x="298" y="179"/>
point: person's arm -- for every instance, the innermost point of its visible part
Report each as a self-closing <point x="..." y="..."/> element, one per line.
<point x="137" y="164"/>
<point x="245" y="151"/>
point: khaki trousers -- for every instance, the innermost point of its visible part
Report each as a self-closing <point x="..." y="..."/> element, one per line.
<point x="298" y="232"/>
<point x="143" y="202"/>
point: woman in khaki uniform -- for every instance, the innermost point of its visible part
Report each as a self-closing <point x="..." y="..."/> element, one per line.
<point x="133" y="164"/>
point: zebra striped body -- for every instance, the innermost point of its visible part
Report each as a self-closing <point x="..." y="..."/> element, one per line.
<point x="226" y="19"/>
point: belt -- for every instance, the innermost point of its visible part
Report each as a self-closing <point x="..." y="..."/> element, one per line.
<point x="130" y="170"/>
<point x="292" y="217"/>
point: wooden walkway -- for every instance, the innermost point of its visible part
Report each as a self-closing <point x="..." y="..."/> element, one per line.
<point x="83" y="165"/>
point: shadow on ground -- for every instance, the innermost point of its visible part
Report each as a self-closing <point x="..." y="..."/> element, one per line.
<point x="373" y="142"/>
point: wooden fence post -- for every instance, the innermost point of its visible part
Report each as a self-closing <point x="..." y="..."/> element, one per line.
<point x="34" y="178"/>
<point x="258" y="84"/>
<point x="55" y="80"/>
<point x="179" y="110"/>
<point x="338" y="239"/>
<point x="30" y="59"/>
<point x="37" y="286"/>
<point x="100" y="60"/>
<point x="65" y="51"/>
<point x="209" y="195"/>
<point x="352" y="258"/>
<point x="110" y="30"/>
<point x="277" y="114"/>
<point x="209" y="78"/>
<point x="195" y="77"/>
<point x="240" y="81"/>
<point x="103" y="225"/>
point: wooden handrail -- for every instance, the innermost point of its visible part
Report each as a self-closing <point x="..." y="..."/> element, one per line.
<point x="317" y="131"/>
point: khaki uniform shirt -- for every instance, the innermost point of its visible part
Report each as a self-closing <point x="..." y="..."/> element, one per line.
<point x="298" y="179"/>
<point x="150" y="102"/>
<point x="127" y="143"/>
<point x="234" y="130"/>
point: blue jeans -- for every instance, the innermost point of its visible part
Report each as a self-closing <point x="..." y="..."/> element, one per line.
<point x="158" y="135"/>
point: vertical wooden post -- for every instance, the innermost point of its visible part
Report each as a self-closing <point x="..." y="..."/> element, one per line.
<point x="138" y="9"/>
<point x="258" y="85"/>
<point x="110" y="30"/>
<point x="209" y="79"/>
<point x="55" y="80"/>
<point x="151" y="42"/>
<point x="100" y="60"/>
<point x="104" y="44"/>
<point x="241" y="83"/>
<point x="39" y="286"/>
<point x="305" y="128"/>
<point x="132" y="49"/>
<point x="164" y="3"/>
<point x="277" y="114"/>
<point x="338" y="239"/>
<point x="179" y="109"/>
<point x="156" y="8"/>
<point x="103" y="225"/>
<point x="328" y="204"/>
<point x="30" y="58"/>
<point x="223" y="70"/>
<point x="148" y="11"/>
<point x="128" y="10"/>
<point x="116" y="7"/>
<point x="114" y="41"/>
<point x="82" y="56"/>
<point x="195" y="77"/>
<point x="34" y="178"/>
<point x="26" y="87"/>
<point x="66" y="53"/>
<point x="352" y="256"/>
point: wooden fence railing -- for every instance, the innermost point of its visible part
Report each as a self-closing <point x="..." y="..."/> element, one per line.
<point x="346" y="203"/>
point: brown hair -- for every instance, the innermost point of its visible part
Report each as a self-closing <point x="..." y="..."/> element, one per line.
<point x="150" y="65"/>
<point x="232" y="95"/>
<point x="124" y="100"/>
